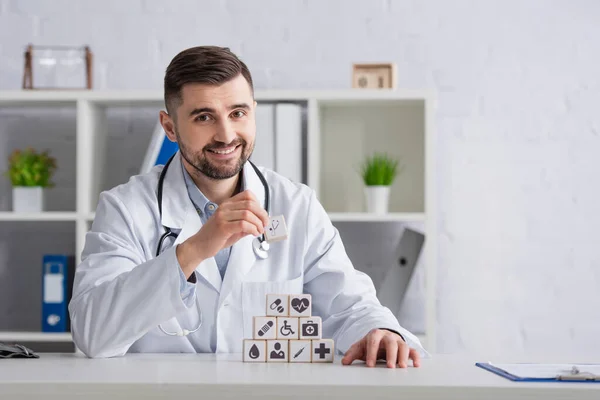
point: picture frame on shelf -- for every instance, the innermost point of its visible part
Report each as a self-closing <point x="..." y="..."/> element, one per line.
<point x="374" y="76"/>
<point x="57" y="67"/>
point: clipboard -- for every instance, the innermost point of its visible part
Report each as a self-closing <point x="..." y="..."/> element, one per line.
<point x="545" y="372"/>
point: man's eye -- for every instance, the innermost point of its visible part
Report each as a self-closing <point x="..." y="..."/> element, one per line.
<point x="238" y="114"/>
<point x="202" y="118"/>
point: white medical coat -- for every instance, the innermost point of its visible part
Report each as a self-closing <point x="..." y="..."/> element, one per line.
<point x="122" y="291"/>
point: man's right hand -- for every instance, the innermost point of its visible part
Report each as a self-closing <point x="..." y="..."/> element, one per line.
<point x="235" y="218"/>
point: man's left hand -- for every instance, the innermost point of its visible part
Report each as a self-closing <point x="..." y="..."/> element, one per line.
<point x="381" y="344"/>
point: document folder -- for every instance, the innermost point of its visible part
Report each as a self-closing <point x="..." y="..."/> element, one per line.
<point x="545" y="372"/>
<point x="58" y="272"/>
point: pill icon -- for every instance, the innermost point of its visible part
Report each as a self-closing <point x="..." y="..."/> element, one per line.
<point x="276" y="305"/>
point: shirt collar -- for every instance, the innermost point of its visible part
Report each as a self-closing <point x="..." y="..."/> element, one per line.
<point x="198" y="198"/>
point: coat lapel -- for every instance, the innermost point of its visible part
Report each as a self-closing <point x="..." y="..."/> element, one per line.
<point x="242" y="257"/>
<point x="179" y="214"/>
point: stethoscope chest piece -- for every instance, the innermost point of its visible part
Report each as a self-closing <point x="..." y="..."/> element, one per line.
<point x="261" y="248"/>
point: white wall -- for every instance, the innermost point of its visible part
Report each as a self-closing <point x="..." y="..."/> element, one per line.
<point x="517" y="123"/>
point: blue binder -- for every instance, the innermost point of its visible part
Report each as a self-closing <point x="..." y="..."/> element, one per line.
<point x="57" y="279"/>
<point x="575" y="375"/>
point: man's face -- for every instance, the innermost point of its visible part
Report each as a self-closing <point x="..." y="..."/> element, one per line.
<point x="216" y="128"/>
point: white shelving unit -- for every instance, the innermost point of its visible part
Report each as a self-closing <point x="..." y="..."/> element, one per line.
<point x="397" y="121"/>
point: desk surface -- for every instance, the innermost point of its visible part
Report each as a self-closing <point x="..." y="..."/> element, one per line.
<point x="65" y="376"/>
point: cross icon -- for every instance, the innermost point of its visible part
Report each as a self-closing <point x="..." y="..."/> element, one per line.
<point x="322" y="350"/>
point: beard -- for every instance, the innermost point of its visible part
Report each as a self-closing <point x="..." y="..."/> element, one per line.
<point x="217" y="170"/>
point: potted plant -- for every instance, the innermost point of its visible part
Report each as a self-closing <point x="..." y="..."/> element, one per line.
<point x="378" y="173"/>
<point x="30" y="172"/>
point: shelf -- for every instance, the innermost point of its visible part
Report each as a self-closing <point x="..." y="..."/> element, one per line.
<point x="43" y="216"/>
<point x="138" y="97"/>
<point x="367" y="217"/>
<point x="9" y="336"/>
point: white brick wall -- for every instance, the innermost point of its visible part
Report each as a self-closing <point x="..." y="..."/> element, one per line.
<point x="517" y="124"/>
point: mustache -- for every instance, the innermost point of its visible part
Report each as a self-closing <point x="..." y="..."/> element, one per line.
<point x="220" y="145"/>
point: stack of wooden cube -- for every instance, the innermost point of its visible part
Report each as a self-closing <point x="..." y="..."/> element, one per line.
<point x="288" y="333"/>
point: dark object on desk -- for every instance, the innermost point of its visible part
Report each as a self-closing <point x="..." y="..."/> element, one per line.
<point x="16" y="351"/>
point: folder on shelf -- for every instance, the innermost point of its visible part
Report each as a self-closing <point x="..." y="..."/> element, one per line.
<point x="529" y="372"/>
<point x="58" y="272"/>
<point x="289" y="141"/>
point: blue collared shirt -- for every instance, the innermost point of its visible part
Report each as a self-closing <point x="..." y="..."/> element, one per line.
<point x="205" y="209"/>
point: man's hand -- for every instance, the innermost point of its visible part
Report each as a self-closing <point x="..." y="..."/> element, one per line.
<point x="380" y="344"/>
<point x="235" y="218"/>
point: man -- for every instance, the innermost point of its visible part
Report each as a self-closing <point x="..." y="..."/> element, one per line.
<point x="200" y="292"/>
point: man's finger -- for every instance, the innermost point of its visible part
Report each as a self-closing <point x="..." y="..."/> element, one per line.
<point x="372" y="344"/>
<point x="248" y="202"/>
<point x="415" y="357"/>
<point x="355" y="352"/>
<point x="241" y="226"/>
<point x="245" y="215"/>
<point x="391" y="350"/>
<point x="403" y="350"/>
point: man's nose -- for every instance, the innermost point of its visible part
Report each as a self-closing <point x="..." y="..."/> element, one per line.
<point x="225" y="132"/>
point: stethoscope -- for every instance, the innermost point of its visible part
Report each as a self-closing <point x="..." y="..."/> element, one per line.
<point x="259" y="244"/>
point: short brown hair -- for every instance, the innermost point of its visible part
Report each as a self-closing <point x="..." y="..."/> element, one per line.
<point x="210" y="65"/>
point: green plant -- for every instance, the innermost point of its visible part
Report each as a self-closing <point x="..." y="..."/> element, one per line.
<point x="379" y="169"/>
<point x="31" y="168"/>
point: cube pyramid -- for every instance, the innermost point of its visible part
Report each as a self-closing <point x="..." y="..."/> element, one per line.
<point x="288" y="332"/>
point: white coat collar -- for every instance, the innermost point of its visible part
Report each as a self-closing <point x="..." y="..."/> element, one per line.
<point x="179" y="213"/>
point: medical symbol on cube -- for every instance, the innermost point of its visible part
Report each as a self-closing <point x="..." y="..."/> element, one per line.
<point x="277" y="350"/>
<point x="265" y="328"/>
<point x="276" y="230"/>
<point x="287" y="328"/>
<point x="300" y="305"/>
<point x="277" y="305"/>
<point x="288" y="332"/>
<point x="254" y="350"/>
<point x="300" y="351"/>
<point x="310" y="328"/>
<point x="322" y="350"/>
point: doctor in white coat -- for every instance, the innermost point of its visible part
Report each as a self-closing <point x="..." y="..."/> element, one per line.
<point x="200" y="292"/>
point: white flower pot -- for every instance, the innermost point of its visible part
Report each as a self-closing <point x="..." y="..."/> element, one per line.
<point x="377" y="198"/>
<point x="28" y="199"/>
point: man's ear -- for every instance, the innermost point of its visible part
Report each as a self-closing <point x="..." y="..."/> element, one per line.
<point x="168" y="126"/>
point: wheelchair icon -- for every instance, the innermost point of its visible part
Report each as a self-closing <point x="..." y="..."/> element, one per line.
<point x="286" y="330"/>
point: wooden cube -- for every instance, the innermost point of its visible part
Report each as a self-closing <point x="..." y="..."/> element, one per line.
<point x="255" y="350"/>
<point x="264" y="328"/>
<point x="300" y="351"/>
<point x="287" y="328"/>
<point x="276" y="230"/>
<point x="277" y="351"/>
<point x="322" y="351"/>
<point x="277" y="305"/>
<point x="300" y="305"/>
<point x="310" y="328"/>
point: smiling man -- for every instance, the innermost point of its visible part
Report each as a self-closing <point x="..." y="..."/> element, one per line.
<point x="168" y="265"/>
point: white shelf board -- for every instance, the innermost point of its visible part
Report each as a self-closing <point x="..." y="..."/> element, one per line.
<point x="140" y="97"/>
<point x="357" y="217"/>
<point x="8" y="336"/>
<point x="43" y="216"/>
<point x="368" y="217"/>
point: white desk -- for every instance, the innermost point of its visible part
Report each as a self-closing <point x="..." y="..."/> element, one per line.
<point x="175" y="376"/>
